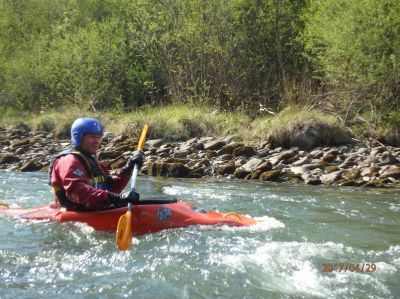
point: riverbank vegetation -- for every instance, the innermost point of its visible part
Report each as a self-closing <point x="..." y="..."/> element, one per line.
<point x="247" y="61"/>
<point x="179" y="123"/>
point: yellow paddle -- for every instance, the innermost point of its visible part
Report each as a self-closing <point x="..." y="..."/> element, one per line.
<point x="123" y="236"/>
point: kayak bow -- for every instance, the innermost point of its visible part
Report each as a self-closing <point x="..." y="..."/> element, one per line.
<point x="150" y="216"/>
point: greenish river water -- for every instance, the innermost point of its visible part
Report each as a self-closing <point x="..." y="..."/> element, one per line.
<point x="305" y="229"/>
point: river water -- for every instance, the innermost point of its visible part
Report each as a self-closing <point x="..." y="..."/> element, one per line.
<point x="305" y="231"/>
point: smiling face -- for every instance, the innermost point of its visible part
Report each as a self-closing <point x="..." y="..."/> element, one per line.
<point x="91" y="143"/>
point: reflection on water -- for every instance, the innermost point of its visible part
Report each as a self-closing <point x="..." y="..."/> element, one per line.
<point x="304" y="229"/>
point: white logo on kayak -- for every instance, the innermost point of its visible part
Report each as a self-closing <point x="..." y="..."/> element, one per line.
<point x="164" y="214"/>
<point x="78" y="172"/>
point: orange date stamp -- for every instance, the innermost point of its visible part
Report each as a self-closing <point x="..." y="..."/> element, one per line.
<point x="349" y="267"/>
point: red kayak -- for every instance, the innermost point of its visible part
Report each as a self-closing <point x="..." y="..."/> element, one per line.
<point x="148" y="216"/>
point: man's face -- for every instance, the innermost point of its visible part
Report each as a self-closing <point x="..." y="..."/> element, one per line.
<point x="91" y="143"/>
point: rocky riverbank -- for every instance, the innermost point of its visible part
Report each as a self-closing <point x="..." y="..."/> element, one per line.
<point x="346" y="165"/>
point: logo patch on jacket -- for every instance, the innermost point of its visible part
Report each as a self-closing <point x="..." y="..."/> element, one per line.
<point x="78" y="172"/>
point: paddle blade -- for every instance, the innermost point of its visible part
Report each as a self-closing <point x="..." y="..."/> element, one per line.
<point x="123" y="236"/>
<point x="143" y="137"/>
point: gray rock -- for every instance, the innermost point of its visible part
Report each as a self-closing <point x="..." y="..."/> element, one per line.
<point x="270" y="175"/>
<point x="246" y="151"/>
<point x="299" y="170"/>
<point x="362" y="151"/>
<point x="302" y="161"/>
<point x="181" y="153"/>
<point x="214" y="145"/>
<point x="154" y="142"/>
<point x="228" y="149"/>
<point x="317" y="153"/>
<point x="313" y="166"/>
<point x="391" y="172"/>
<point x="21" y="150"/>
<point x="370" y="171"/>
<point x="332" y="177"/>
<point x="252" y="164"/>
<point x="351" y="174"/>
<point x="31" y="166"/>
<point x="8" y="158"/>
<point x="191" y="141"/>
<point x="262" y="153"/>
<point x="387" y="158"/>
<point x="225" y="169"/>
<point x="311" y="180"/>
<point x="265" y="166"/>
<point x="165" y="148"/>
<point x="328" y="157"/>
<point x="377" y="150"/>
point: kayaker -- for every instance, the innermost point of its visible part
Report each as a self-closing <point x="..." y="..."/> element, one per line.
<point x="80" y="181"/>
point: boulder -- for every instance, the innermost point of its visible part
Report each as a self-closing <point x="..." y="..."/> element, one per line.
<point x="180" y="153"/>
<point x="118" y="162"/>
<point x="351" y="174"/>
<point x="302" y="161"/>
<point x="214" y="145"/>
<point x="243" y="151"/>
<point x="31" y="166"/>
<point x="328" y="157"/>
<point x="154" y="142"/>
<point x="228" y="168"/>
<point x="330" y="169"/>
<point x="370" y="171"/>
<point x="391" y="172"/>
<point x="22" y="150"/>
<point x="387" y="159"/>
<point x="331" y="177"/>
<point x="108" y="155"/>
<point x="270" y="175"/>
<point x="211" y="154"/>
<point x="226" y="157"/>
<point x="21" y="142"/>
<point x="255" y="175"/>
<point x="240" y="173"/>
<point x="8" y="158"/>
<point x="168" y="169"/>
<point x="301" y="170"/>
<point x="262" y="153"/>
<point x="265" y="166"/>
<point x="252" y="164"/>
<point x="228" y="149"/>
<point x="312" y="180"/>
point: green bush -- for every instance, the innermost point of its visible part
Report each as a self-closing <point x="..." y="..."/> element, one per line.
<point x="354" y="44"/>
<point x="231" y="55"/>
<point x="123" y="53"/>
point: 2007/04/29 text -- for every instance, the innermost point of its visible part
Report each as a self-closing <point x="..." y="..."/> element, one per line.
<point x="365" y="268"/>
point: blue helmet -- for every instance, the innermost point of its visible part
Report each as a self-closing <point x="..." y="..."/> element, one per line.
<point x="84" y="125"/>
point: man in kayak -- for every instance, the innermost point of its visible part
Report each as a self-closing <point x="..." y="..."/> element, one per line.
<point x="80" y="181"/>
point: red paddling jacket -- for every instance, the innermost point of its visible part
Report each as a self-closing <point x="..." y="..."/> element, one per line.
<point x="80" y="182"/>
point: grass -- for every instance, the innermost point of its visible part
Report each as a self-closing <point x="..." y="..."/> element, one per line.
<point x="179" y="123"/>
<point x="174" y="123"/>
<point x="264" y="127"/>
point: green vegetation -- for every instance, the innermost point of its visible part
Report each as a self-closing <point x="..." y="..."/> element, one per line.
<point x="169" y="122"/>
<point x="179" y="123"/>
<point x="125" y="56"/>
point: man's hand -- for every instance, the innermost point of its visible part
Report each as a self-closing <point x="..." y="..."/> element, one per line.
<point x="132" y="197"/>
<point x="135" y="159"/>
<point x="121" y="199"/>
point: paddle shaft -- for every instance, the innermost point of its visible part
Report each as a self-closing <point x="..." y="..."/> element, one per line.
<point x="134" y="176"/>
<point x="140" y="148"/>
<point x="124" y="231"/>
